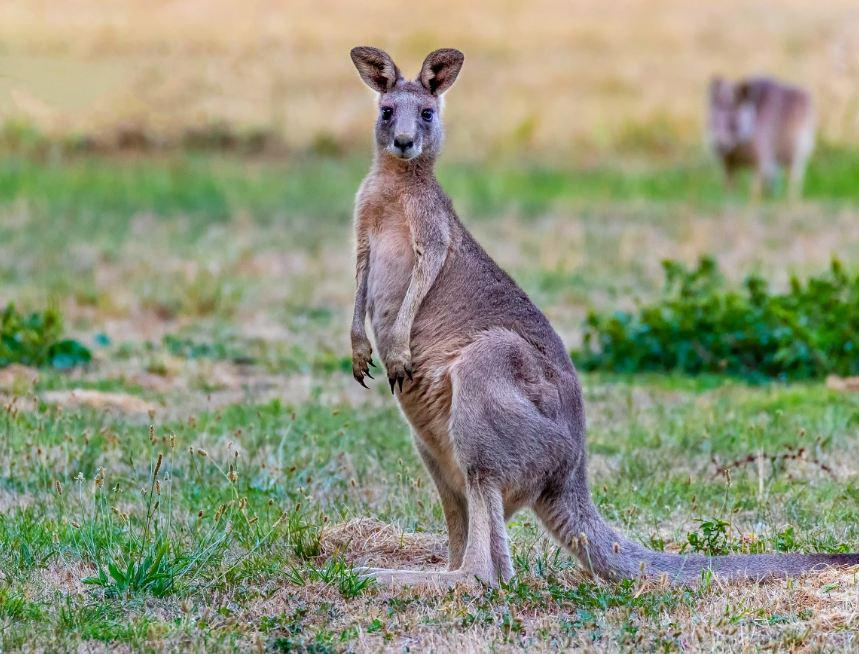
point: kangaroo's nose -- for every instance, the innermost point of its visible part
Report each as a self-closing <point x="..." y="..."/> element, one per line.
<point x="403" y="142"/>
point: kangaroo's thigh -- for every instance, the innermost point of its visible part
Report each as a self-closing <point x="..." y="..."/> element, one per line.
<point x="510" y="421"/>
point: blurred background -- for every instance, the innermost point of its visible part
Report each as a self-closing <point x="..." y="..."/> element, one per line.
<point x="185" y="170"/>
<point x="549" y="80"/>
<point x="189" y="167"/>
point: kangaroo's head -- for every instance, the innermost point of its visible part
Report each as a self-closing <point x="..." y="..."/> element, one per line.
<point x="409" y="122"/>
<point x="732" y="113"/>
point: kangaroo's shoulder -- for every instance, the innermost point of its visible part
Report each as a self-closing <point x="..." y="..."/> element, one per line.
<point x="763" y="91"/>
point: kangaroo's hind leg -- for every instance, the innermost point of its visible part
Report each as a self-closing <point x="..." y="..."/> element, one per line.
<point x="455" y="508"/>
<point x="506" y="434"/>
<point x="509" y="432"/>
<point x="802" y="151"/>
<point x="486" y="549"/>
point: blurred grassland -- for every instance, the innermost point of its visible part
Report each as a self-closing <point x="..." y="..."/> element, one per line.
<point x="551" y="79"/>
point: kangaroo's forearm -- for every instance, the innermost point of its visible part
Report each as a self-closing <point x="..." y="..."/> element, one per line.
<point x="361" y="272"/>
<point x="428" y="264"/>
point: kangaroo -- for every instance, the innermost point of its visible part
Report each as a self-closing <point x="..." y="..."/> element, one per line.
<point x="491" y="394"/>
<point x="762" y="124"/>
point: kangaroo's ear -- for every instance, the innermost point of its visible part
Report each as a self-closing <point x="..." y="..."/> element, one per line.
<point x="440" y="70"/>
<point x="376" y="68"/>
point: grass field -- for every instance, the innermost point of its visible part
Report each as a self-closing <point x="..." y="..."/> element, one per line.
<point x="215" y="472"/>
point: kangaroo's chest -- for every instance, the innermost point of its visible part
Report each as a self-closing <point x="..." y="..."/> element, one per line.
<point x="390" y="271"/>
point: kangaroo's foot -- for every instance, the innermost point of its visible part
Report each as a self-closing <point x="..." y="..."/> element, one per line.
<point x="438" y="578"/>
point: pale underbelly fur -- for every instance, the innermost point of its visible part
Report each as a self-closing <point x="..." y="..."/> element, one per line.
<point x="389" y="274"/>
<point x="390" y="270"/>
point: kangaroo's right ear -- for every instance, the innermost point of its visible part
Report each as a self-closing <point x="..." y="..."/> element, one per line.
<point x="376" y="68"/>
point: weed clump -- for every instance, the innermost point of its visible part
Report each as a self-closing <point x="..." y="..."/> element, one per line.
<point x="37" y="340"/>
<point x="699" y="325"/>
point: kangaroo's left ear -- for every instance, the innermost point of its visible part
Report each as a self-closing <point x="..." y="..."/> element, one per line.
<point x="440" y="70"/>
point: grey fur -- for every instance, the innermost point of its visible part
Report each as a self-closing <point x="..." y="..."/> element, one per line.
<point x="762" y="124"/>
<point x="485" y="382"/>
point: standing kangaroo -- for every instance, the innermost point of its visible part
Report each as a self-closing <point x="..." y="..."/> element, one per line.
<point x="486" y="383"/>
<point x="763" y="124"/>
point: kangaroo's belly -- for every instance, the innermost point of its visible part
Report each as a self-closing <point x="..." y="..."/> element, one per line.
<point x="388" y="277"/>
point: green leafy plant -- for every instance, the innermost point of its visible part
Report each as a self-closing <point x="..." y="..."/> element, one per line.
<point x="36" y="340"/>
<point x="701" y="325"/>
<point x="712" y="538"/>
<point x="154" y="573"/>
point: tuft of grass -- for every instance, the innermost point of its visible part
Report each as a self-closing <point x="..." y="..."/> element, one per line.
<point x="335" y="572"/>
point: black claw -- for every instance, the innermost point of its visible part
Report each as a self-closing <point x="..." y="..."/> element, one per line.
<point x="400" y="382"/>
<point x="373" y="363"/>
<point x="369" y="375"/>
<point x="361" y="381"/>
<point x="393" y="381"/>
<point x="409" y="373"/>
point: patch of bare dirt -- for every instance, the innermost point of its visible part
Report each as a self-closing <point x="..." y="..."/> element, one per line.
<point x="84" y="397"/>
<point x="63" y="577"/>
<point x="16" y="403"/>
<point x="16" y="378"/>
<point x="837" y="383"/>
<point x="11" y="501"/>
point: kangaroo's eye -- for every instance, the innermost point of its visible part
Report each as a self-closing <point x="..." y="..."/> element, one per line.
<point x="387" y="112"/>
<point x="426" y="114"/>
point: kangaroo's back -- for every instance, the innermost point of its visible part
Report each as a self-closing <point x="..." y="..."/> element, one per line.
<point x="473" y="294"/>
<point x="783" y="112"/>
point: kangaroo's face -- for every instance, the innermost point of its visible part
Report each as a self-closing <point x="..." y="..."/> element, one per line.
<point x="408" y="125"/>
<point x="732" y="115"/>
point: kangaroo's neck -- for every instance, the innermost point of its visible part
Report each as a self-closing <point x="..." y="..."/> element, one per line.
<point x="395" y="171"/>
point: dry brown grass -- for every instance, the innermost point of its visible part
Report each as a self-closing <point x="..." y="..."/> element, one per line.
<point x="370" y="542"/>
<point x="821" y="611"/>
<point x="549" y="76"/>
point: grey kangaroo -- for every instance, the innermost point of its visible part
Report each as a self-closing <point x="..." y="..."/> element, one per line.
<point x="763" y="124"/>
<point x="485" y="382"/>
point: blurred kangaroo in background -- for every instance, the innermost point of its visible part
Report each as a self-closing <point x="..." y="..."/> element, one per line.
<point x="487" y="385"/>
<point x="763" y="124"/>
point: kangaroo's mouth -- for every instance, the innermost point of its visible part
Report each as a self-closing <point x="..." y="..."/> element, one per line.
<point x="403" y="154"/>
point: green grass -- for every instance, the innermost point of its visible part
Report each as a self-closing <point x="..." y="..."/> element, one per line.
<point x="302" y="467"/>
<point x="217" y="291"/>
<point x="217" y="185"/>
<point x="101" y="195"/>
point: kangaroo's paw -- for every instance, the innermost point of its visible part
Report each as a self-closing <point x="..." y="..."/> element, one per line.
<point x="398" y="363"/>
<point x="362" y="360"/>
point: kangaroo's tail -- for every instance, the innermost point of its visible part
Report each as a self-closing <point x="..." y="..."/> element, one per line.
<point x="576" y="523"/>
